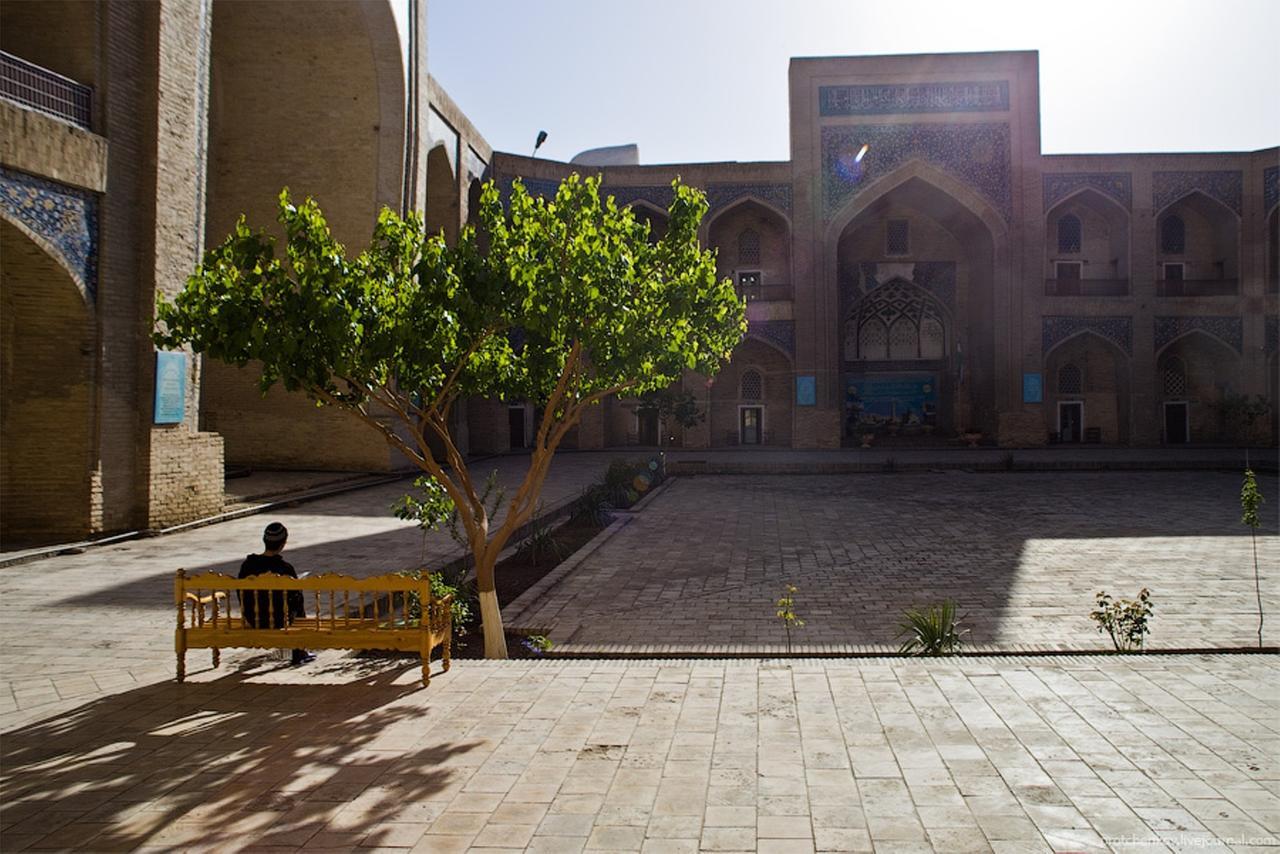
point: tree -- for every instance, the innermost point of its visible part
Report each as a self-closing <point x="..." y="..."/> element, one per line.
<point x="560" y="302"/>
<point x="1250" y="503"/>
<point x="672" y="406"/>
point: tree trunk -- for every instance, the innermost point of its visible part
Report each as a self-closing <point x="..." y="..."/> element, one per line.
<point x="495" y="639"/>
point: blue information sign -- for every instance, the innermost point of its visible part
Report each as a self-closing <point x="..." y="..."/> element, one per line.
<point x="171" y="388"/>
<point x="1032" y="388"/>
<point x="806" y="391"/>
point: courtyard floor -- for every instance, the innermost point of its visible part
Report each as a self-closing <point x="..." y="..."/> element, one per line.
<point x="1022" y="554"/>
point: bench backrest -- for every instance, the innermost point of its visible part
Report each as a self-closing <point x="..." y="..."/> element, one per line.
<point x="335" y="600"/>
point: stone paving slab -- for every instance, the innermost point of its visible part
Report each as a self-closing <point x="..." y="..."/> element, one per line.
<point x="1132" y="753"/>
<point x="1022" y="555"/>
<point x="80" y="625"/>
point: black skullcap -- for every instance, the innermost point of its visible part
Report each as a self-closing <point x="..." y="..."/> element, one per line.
<point x="275" y="534"/>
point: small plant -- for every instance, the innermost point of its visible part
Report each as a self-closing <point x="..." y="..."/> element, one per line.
<point x="618" y="484"/>
<point x="540" y="546"/>
<point x="538" y="645"/>
<point x="593" y="506"/>
<point x="1125" y="620"/>
<point x="1251" y="501"/>
<point x="443" y="585"/>
<point x="787" y="613"/>
<point x="933" y="631"/>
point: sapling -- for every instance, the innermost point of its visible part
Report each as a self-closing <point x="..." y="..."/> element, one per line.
<point x="787" y="613"/>
<point x="1250" y="502"/>
<point x="1125" y="620"/>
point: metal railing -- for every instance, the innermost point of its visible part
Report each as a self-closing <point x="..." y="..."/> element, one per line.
<point x="41" y="89"/>
<point x="766" y="293"/>
<point x="1197" y="287"/>
<point x="1086" y="287"/>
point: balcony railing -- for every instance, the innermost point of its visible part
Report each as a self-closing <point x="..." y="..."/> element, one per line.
<point x="43" y="90"/>
<point x="766" y="293"/>
<point x="1197" y="287"/>
<point x="1086" y="287"/>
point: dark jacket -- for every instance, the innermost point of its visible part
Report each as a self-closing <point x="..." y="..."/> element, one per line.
<point x="253" y="605"/>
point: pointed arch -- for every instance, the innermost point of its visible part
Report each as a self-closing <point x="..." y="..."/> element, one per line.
<point x="748" y="199"/>
<point x="1191" y="334"/>
<point x="1075" y="336"/>
<point x="1202" y="201"/>
<point x="55" y="255"/>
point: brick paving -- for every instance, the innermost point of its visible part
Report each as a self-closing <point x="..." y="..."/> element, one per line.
<point x="1022" y="553"/>
<point x="1131" y="753"/>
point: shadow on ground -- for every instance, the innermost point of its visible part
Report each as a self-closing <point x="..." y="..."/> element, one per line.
<point x="233" y="760"/>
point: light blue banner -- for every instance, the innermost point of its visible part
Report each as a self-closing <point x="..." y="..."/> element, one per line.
<point x="1032" y="388"/>
<point x="806" y="391"/>
<point x="171" y="388"/>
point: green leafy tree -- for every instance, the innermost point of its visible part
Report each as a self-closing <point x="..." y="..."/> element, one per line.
<point x="787" y="613"/>
<point x="561" y="302"/>
<point x="1251" y="501"/>
<point x="672" y="406"/>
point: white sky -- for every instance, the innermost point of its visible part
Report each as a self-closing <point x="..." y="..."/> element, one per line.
<point x="704" y="80"/>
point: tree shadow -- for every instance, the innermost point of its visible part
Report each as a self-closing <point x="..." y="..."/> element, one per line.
<point x="233" y="761"/>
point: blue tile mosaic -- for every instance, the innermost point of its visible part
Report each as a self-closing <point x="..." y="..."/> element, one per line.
<point x="779" y="332"/>
<point x="893" y="98"/>
<point x="1056" y="329"/>
<point x="1272" y="338"/>
<point x="1227" y="329"/>
<point x="659" y="195"/>
<point x="1270" y="187"/>
<point x="720" y="196"/>
<point x="65" y="218"/>
<point x="1117" y="185"/>
<point x="1225" y="185"/>
<point x="977" y="154"/>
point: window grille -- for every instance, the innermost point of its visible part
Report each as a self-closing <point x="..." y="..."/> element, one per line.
<point x="904" y="341"/>
<point x="1175" y="378"/>
<point x="873" y="340"/>
<point x="931" y="340"/>
<point x="1070" y="380"/>
<point x="1173" y="236"/>
<point x="749" y="247"/>
<point x="752" y="385"/>
<point x="1070" y="234"/>
<point x="897" y="237"/>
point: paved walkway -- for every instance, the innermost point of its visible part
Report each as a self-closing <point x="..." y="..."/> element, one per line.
<point x="700" y="569"/>
<point x="1152" y="753"/>
<point x="73" y="627"/>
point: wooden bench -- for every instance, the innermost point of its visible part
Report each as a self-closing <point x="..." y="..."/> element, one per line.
<point x="344" y="613"/>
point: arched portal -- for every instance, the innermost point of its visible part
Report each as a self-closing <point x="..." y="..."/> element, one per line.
<point x="753" y="243"/>
<point x="442" y="196"/>
<point x="1191" y="409"/>
<point x="656" y="219"/>
<point x="47" y="343"/>
<point x="309" y="96"/>
<point x="914" y="277"/>
<point x="750" y="401"/>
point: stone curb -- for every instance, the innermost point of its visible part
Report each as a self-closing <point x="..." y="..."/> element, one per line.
<point x="656" y="652"/>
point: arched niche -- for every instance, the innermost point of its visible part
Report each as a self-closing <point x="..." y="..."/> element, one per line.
<point x="60" y="35"/>
<point x="47" y="345"/>
<point x="441" y="215"/>
<point x="653" y="216"/>
<point x="1206" y="260"/>
<point x="760" y="264"/>
<point x="1273" y="250"/>
<point x="1088" y="370"/>
<point x="776" y="374"/>
<point x="1210" y="367"/>
<point x="1102" y="249"/>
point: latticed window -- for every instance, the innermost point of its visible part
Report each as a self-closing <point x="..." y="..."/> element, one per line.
<point x="932" y="345"/>
<point x="904" y="340"/>
<point x="1175" y="378"/>
<point x="873" y="340"/>
<point x="897" y="239"/>
<point x="1173" y="235"/>
<point x="752" y="385"/>
<point x="1069" y="234"/>
<point x="749" y="247"/>
<point x="1070" y="379"/>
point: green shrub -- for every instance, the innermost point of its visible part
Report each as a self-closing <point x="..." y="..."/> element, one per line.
<point x="1125" y="620"/>
<point x="444" y="584"/>
<point x="933" y="631"/>
<point x="592" y="506"/>
<point x="540" y="546"/>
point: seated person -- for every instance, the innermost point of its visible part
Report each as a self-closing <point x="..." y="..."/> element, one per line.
<point x="262" y="606"/>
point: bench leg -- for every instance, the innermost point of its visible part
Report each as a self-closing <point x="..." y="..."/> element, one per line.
<point x="425" y="652"/>
<point x="447" y="653"/>
<point x="182" y="663"/>
<point x="217" y="656"/>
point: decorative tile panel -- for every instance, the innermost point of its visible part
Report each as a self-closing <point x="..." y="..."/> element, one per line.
<point x="893" y="98"/>
<point x="1117" y="185"/>
<point x="659" y="196"/>
<point x="977" y="154"/>
<point x="719" y="196"/>
<point x="1227" y="186"/>
<point x="1228" y="329"/>
<point x="64" y="218"/>
<point x="779" y="332"/>
<point x="543" y="187"/>
<point x="722" y="195"/>
<point x="1272" y="337"/>
<point x="1056" y="329"/>
<point x="1270" y="188"/>
<point x="936" y="277"/>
